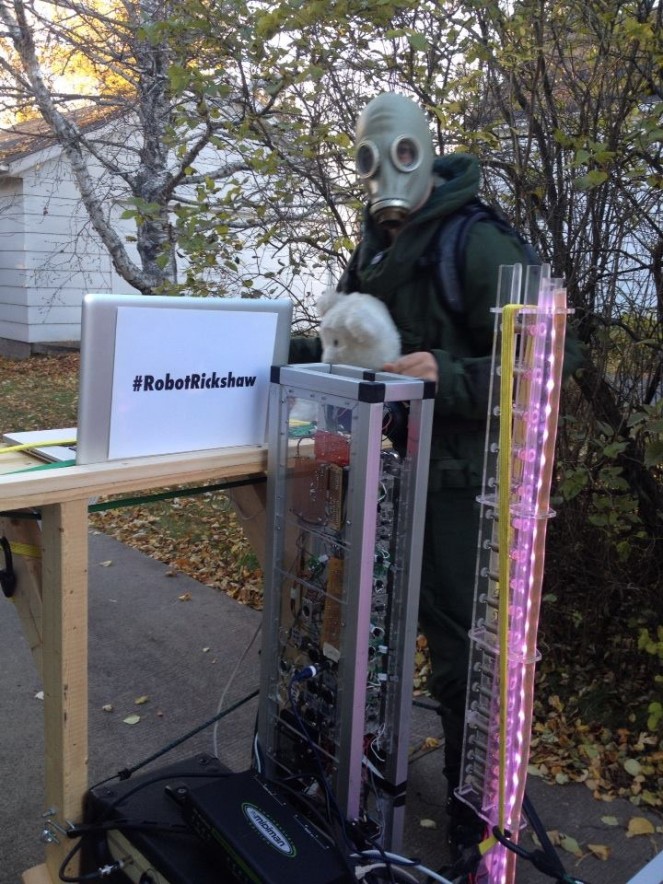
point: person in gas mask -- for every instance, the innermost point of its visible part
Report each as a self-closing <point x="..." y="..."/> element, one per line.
<point x="447" y="337"/>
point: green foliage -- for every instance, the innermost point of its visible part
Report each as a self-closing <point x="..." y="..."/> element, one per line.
<point x="647" y="424"/>
<point x="652" y="645"/>
<point x="561" y="102"/>
<point x="599" y="476"/>
<point x="651" y="642"/>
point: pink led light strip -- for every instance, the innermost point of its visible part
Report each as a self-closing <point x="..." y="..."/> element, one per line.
<point x="503" y="640"/>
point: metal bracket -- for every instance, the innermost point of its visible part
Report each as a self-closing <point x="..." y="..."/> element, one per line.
<point x="49" y="834"/>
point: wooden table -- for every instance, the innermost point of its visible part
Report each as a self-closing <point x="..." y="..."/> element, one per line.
<point x="51" y="564"/>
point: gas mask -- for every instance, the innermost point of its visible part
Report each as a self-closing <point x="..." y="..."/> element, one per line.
<point x="394" y="157"/>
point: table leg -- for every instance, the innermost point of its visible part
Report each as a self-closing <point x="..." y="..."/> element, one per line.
<point x="65" y="656"/>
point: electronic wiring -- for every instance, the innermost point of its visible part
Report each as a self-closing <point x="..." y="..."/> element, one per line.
<point x="103" y="824"/>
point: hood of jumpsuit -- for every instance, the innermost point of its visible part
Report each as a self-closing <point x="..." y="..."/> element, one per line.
<point x="384" y="265"/>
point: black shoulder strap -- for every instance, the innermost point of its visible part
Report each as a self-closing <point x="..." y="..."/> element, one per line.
<point x="349" y="281"/>
<point x="448" y="259"/>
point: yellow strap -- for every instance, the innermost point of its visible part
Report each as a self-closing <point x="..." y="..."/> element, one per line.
<point x="508" y="349"/>
<point x="25" y="549"/>
<point x="487" y="844"/>
<point x="26" y="446"/>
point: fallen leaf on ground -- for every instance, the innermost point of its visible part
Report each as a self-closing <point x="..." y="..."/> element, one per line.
<point x="638" y="825"/>
<point x="554" y="837"/>
<point x="132" y="719"/>
<point x="139" y="701"/>
<point x="428" y="824"/>
<point x="200" y="536"/>
<point x="570" y="845"/>
<point x="600" y="851"/>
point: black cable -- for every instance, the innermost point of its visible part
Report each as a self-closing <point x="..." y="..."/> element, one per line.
<point x="510" y="845"/>
<point x="387" y="862"/>
<point x="540" y="831"/>
<point x="101" y="872"/>
<point x="81" y="832"/>
<point x="169" y="495"/>
<point x="299" y="797"/>
<point x="331" y="798"/>
<point x="548" y="864"/>
<point x="549" y="851"/>
<point x="126" y="773"/>
<point x="302" y="675"/>
<point x="148" y="498"/>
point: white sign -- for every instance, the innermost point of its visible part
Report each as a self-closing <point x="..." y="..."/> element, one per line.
<point x="186" y="380"/>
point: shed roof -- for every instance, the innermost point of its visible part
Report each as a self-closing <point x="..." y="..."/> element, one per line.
<point x="32" y="136"/>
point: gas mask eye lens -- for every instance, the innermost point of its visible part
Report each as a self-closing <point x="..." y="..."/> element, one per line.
<point x="406" y="153"/>
<point x="367" y="159"/>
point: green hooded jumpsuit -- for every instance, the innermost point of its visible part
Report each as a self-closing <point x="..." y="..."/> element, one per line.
<point x="399" y="274"/>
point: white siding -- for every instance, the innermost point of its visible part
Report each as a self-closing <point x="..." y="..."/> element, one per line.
<point x="13" y="282"/>
<point x="49" y="256"/>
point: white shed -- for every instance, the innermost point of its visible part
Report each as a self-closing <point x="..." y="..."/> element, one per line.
<point x="49" y="254"/>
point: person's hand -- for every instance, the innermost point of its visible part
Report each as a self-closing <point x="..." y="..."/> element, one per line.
<point x="418" y="365"/>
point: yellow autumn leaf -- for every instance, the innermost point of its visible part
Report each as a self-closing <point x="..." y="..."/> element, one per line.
<point x="140" y="701"/>
<point x="570" y="844"/>
<point x="638" y="825"/>
<point x="132" y="719"/>
<point x="632" y="767"/>
<point x="600" y="851"/>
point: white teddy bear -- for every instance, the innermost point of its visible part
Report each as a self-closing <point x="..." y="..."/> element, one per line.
<point x="357" y="329"/>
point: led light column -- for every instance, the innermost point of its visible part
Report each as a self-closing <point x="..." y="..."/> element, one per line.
<point x="514" y="514"/>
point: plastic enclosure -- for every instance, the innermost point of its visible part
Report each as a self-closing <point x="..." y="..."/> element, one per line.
<point x="346" y="510"/>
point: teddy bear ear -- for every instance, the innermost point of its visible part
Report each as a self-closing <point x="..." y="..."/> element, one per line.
<point x="327" y="300"/>
<point x="360" y="322"/>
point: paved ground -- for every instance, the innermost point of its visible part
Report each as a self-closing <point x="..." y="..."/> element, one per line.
<point x="146" y="641"/>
